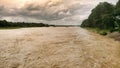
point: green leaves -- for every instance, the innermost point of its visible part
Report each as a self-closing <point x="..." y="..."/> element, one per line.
<point x="104" y="16"/>
<point x="6" y="24"/>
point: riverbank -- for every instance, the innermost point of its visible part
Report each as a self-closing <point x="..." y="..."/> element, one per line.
<point x="115" y="35"/>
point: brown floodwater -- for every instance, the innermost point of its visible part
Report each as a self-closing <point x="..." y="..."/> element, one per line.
<point x="57" y="47"/>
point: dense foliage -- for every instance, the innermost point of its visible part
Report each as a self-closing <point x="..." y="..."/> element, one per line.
<point x="104" y="16"/>
<point x="4" y="23"/>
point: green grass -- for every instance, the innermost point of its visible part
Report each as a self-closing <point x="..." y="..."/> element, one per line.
<point x="99" y="31"/>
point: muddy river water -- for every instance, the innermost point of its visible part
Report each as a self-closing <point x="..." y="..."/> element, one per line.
<point x="57" y="47"/>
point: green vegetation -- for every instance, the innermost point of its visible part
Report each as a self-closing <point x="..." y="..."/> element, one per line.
<point x="5" y="24"/>
<point x="105" y="17"/>
<point x="97" y="30"/>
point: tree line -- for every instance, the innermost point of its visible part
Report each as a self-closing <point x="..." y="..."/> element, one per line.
<point x="4" y="23"/>
<point x="105" y="16"/>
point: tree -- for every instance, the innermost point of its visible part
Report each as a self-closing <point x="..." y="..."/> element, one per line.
<point x="97" y="13"/>
<point x="101" y="17"/>
<point x="108" y="21"/>
<point x="118" y="4"/>
<point x="4" y="23"/>
<point x="117" y="15"/>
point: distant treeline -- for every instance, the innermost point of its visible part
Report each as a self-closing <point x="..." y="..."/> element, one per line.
<point x="4" y="23"/>
<point x="105" y="16"/>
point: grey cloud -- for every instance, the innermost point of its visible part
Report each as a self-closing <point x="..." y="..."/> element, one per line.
<point x="1" y="7"/>
<point x="49" y="11"/>
<point x="63" y="12"/>
<point x="4" y="12"/>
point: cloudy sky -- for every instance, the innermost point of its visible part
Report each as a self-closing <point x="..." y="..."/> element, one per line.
<point x="70" y="12"/>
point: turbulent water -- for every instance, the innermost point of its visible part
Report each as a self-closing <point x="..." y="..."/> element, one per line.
<point x="57" y="47"/>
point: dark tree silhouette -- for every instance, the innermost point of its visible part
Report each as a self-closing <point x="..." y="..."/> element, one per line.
<point x="4" y="23"/>
<point x="104" y="16"/>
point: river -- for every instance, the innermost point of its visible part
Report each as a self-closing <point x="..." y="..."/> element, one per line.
<point x="57" y="47"/>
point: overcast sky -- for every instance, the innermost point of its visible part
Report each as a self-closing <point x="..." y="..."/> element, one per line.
<point x="48" y="11"/>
